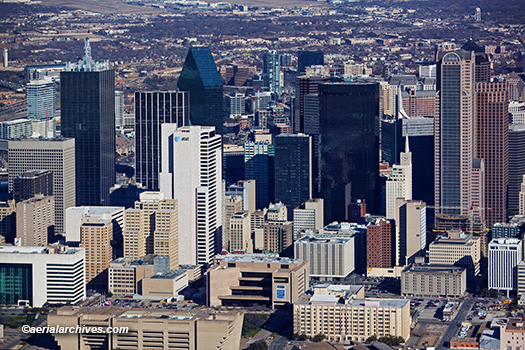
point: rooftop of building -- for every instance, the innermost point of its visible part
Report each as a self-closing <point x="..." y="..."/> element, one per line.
<point x="169" y="275"/>
<point x="32" y="174"/>
<point x="50" y="249"/>
<point x="324" y="238"/>
<point x="259" y="258"/>
<point x="435" y="268"/>
<point x="455" y="237"/>
<point x="349" y="289"/>
<point x="104" y="312"/>
<point x="515" y="326"/>
<point x="335" y="299"/>
<point x="505" y="241"/>
<point x="97" y="211"/>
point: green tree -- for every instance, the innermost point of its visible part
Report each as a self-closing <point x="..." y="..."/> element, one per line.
<point x="319" y="337"/>
<point x="372" y="339"/>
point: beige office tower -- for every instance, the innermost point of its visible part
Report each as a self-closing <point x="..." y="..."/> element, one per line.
<point x="57" y="155"/>
<point x="35" y="217"/>
<point x="152" y="227"/>
<point x="411" y="227"/>
<point x="257" y="219"/>
<point x="454" y="134"/>
<point x="457" y="248"/>
<point x="388" y="95"/>
<point x="232" y="205"/>
<point x="96" y="235"/>
<point x="240" y="233"/>
<point x="522" y="197"/>
<point x="400" y="184"/>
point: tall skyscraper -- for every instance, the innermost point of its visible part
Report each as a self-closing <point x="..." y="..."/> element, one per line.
<point x="492" y="141"/>
<point x="305" y="85"/>
<point x="200" y="77"/>
<point x="152" y="109"/>
<point x="454" y="140"/>
<point x="272" y="71"/>
<point x="58" y="156"/>
<point x="349" y="147"/>
<point x="293" y="170"/>
<point x="482" y="61"/>
<point x="516" y="164"/>
<point x="88" y="116"/>
<point x="477" y="15"/>
<point x="400" y="184"/>
<point x="192" y="174"/>
<point x="119" y="109"/>
<point x="259" y="165"/>
<point x="41" y="99"/>
<point x="307" y="58"/>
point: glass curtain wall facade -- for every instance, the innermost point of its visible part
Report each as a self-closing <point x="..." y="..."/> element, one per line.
<point x="16" y="283"/>
<point x="88" y="116"/>
<point x="200" y="77"/>
<point x="349" y="147"/>
<point x="152" y="109"/>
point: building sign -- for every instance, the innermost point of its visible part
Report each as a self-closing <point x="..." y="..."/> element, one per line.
<point x="280" y="292"/>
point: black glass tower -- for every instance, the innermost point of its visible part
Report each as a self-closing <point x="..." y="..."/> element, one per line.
<point x="309" y="58"/>
<point x="293" y="170"/>
<point x="259" y="165"/>
<point x="152" y="109"/>
<point x="88" y="116"/>
<point x="349" y="147"/>
<point x="200" y="77"/>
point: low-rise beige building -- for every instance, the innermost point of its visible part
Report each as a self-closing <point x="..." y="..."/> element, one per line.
<point x="195" y="329"/>
<point x="126" y="274"/>
<point x="256" y="279"/>
<point x="342" y="317"/>
<point x="434" y="281"/>
<point x="240" y="237"/>
<point x="512" y="336"/>
<point x="457" y="248"/>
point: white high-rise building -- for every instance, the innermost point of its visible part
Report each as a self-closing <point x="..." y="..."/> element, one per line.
<point x="411" y="230"/>
<point x="119" y="109"/>
<point x="53" y="274"/>
<point x="504" y="256"/>
<point x="41" y="99"/>
<point x="309" y="216"/>
<point x="400" y="184"/>
<point x="192" y="174"/>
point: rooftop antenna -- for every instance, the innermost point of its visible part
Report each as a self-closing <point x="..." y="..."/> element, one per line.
<point x="87" y="52"/>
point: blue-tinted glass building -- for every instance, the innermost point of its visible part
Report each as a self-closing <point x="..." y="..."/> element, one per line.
<point x="349" y="147"/>
<point x="272" y="71"/>
<point x="16" y="283"/>
<point x="259" y="165"/>
<point x="88" y="115"/>
<point x="199" y="76"/>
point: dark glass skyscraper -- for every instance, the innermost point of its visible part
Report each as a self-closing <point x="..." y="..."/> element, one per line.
<point x="349" y="147"/>
<point x="200" y="77"/>
<point x="88" y="116"/>
<point x="272" y="71"/>
<point x="259" y="165"/>
<point x="152" y="109"/>
<point x="309" y="58"/>
<point x="293" y="170"/>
